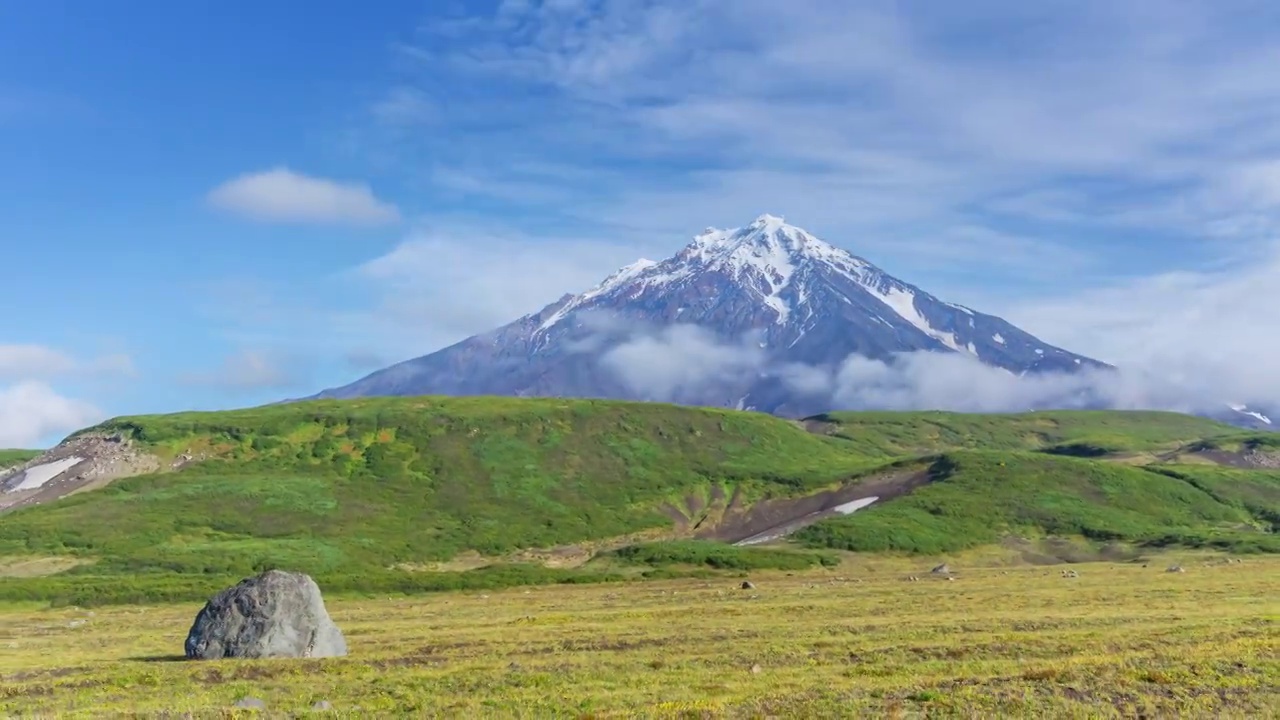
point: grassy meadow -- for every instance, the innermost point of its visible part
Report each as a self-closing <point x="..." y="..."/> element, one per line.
<point x="860" y="639"/>
<point x="13" y="458"/>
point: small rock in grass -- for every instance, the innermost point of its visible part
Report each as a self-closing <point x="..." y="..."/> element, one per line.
<point x="322" y="706"/>
<point x="756" y="669"/>
<point x="748" y="585"/>
<point x="251" y="703"/>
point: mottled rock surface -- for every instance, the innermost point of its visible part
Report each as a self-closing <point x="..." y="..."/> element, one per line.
<point x="277" y="614"/>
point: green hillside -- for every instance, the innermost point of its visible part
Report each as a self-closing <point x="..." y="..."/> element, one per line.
<point x="361" y="492"/>
<point x="979" y="497"/>
<point x="1067" y="432"/>
<point x="10" y="458"/>
<point x="371" y="483"/>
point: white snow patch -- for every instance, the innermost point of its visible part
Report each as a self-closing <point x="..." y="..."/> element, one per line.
<point x="38" y="475"/>
<point x="617" y="279"/>
<point x="903" y="302"/>
<point x="1039" y="351"/>
<point x="1246" y="411"/>
<point x="855" y="505"/>
<point x="785" y="530"/>
<point x="998" y="338"/>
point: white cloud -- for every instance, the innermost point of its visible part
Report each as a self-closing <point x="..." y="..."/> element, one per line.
<point x="1214" y="332"/>
<point x="950" y="381"/>
<point x="685" y="363"/>
<point x="281" y="195"/>
<point x="682" y="361"/>
<point x="32" y="411"/>
<point x="250" y="370"/>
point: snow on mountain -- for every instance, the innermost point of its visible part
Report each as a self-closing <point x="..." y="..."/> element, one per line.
<point x="723" y="314"/>
<point x="1254" y="417"/>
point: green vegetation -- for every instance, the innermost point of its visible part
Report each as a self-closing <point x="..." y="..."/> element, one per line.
<point x="149" y="589"/>
<point x="1254" y="491"/>
<point x="1119" y="641"/>
<point x="722" y="557"/>
<point x="335" y="487"/>
<point x="1086" y="433"/>
<point x="12" y="458"/>
<point x="1238" y="442"/>
<point x="373" y="493"/>
<point x="977" y="498"/>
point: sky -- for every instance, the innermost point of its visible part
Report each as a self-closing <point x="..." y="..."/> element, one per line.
<point x="212" y="205"/>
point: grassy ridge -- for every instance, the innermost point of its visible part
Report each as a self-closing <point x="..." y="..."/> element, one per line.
<point x="1255" y="491"/>
<point x="978" y="497"/>
<point x="1067" y="432"/>
<point x="11" y="458"/>
<point x="1238" y="441"/>
<point x="350" y="490"/>
<point x="331" y="486"/>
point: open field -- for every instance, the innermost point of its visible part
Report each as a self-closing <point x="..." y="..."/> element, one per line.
<point x="859" y="639"/>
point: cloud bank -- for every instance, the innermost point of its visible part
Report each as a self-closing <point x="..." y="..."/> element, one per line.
<point x="284" y="196"/>
<point x="32" y="411"/>
<point x="689" y="363"/>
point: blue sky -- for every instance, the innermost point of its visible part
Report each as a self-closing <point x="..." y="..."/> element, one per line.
<point x="208" y="208"/>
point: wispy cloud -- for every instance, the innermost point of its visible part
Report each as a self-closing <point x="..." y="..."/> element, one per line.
<point x="885" y="125"/>
<point x="253" y="370"/>
<point x="24" y="361"/>
<point x="282" y="195"/>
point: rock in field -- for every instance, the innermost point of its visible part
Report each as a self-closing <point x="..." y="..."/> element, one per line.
<point x="277" y="614"/>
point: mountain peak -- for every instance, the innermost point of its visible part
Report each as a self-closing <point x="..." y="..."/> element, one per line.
<point x="767" y="237"/>
<point x="773" y="297"/>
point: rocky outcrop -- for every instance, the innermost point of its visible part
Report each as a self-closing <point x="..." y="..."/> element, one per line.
<point x="1262" y="459"/>
<point x="83" y="462"/>
<point x="277" y="614"/>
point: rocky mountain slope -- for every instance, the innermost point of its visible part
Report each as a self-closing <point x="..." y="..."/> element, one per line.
<point x="82" y="462"/>
<point x="750" y="318"/>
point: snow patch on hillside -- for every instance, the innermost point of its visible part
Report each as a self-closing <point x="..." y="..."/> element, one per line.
<point x="38" y="475"/>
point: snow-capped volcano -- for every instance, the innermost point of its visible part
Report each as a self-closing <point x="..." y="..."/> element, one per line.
<point x="771" y="292"/>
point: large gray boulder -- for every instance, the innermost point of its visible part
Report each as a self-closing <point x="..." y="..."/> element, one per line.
<point x="277" y="614"/>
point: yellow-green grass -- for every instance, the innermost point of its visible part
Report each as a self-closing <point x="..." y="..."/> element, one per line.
<point x="13" y="458"/>
<point x="856" y="641"/>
